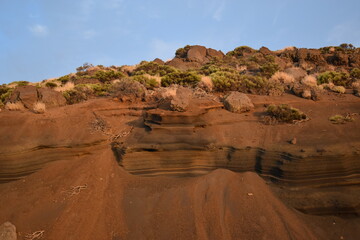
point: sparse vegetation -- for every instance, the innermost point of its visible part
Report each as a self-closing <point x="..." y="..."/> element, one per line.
<point x="84" y="67"/>
<point x="337" y="78"/>
<point x="153" y="68"/>
<point x="239" y="51"/>
<point x="20" y="83"/>
<point x="148" y="81"/>
<point x="39" y="107"/>
<point x="5" y="93"/>
<point x="340" y="119"/>
<point x="268" y="69"/>
<point x="355" y="73"/>
<point x="128" y="89"/>
<point x="107" y="76"/>
<point x="51" y="85"/>
<point x="182" y="52"/>
<point x="180" y="78"/>
<point x="17" y="106"/>
<point x="285" y="113"/>
<point x="338" y="89"/>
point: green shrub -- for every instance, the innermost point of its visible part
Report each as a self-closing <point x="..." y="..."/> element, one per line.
<point x="239" y="51"/>
<point x="75" y="96"/>
<point x="149" y="83"/>
<point x="20" y="83"/>
<point x="337" y="78"/>
<point x="209" y="69"/>
<point x="106" y="76"/>
<point x="153" y="68"/>
<point x="50" y="84"/>
<point x="180" y="78"/>
<point x="268" y="69"/>
<point x="182" y="52"/>
<point x="340" y="119"/>
<point x="226" y="81"/>
<point x="355" y="73"/>
<point x="64" y="79"/>
<point x="5" y="93"/>
<point x="285" y="113"/>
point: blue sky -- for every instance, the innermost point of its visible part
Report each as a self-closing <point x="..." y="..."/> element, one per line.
<point x="41" y="39"/>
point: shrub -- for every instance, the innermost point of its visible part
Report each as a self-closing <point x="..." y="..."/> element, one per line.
<point x="50" y="84"/>
<point x="282" y="77"/>
<point x="96" y="89"/>
<point x="74" y="96"/>
<point x="285" y="113"/>
<point x="20" y="83"/>
<point x="268" y="69"/>
<point x="39" y="107"/>
<point x="182" y="52"/>
<point x="337" y="78"/>
<point x="64" y="79"/>
<point x="153" y="68"/>
<point x="5" y="93"/>
<point x="128" y="89"/>
<point x="84" y="67"/>
<point x="180" y="78"/>
<point x="355" y="73"/>
<point x="106" y="76"/>
<point x="309" y="80"/>
<point x="338" y="89"/>
<point x="209" y="69"/>
<point x="226" y="81"/>
<point x="148" y="81"/>
<point x="340" y="119"/>
<point x="239" y="51"/>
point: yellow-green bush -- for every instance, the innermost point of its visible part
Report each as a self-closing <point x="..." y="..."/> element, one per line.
<point x="285" y="113"/>
<point x="337" y="78"/>
<point x="180" y="78"/>
<point x="153" y="68"/>
<point x="149" y="83"/>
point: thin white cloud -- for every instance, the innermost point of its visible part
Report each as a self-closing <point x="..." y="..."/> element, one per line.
<point x="38" y="30"/>
<point x="217" y="15"/>
<point x="88" y="34"/>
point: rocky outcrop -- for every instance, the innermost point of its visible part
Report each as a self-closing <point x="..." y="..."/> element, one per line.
<point x="237" y="102"/>
<point x="28" y="95"/>
<point x="51" y="98"/>
<point x="180" y="101"/>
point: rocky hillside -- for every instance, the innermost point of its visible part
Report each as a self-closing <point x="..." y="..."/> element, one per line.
<point x="303" y="72"/>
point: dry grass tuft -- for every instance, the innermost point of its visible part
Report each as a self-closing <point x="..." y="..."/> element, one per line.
<point x="35" y="235"/>
<point x="206" y="83"/>
<point x="17" y="106"/>
<point x="39" y="107"/>
<point x="68" y="86"/>
<point x="309" y="80"/>
<point x="339" y="89"/>
<point x="282" y="77"/>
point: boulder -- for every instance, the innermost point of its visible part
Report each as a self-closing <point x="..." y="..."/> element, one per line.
<point x="265" y="51"/>
<point x="180" y="101"/>
<point x="197" y="54"/>
<point x="238" y="102"/>
<point x="8" y="231"/>
<point x="158" y="61"/>
<point x="212" y="53"/>
<point x="28" y="95"/>
<point x="51" y="98"/>
<point x="296" y="72"/>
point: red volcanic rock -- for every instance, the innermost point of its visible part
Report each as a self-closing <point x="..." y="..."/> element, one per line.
<point x="197" y="54"/>
<point x="51" y="98"/>
<point x="26" y="94"/>
<point x="238" y="102"/>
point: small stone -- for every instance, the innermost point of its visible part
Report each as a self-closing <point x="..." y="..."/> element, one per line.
<point x="250" y="194"/>
<point x="293" y="141"/>
<point x="8" y="231"/>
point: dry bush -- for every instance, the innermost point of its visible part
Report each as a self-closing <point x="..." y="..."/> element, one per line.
<point x="68" y="86"/>
<point x="284" y="113"/>
<point x="340" y="119"/>
<point x="128" y="69"/>
<point x="39" y="107"/>
<point x="206" y="83"/>
<point x="356" y="88"/>
<point x="282" y="77"/>
<point x="338" y="89"/>
<point x="309" y="80"/>
<point x="17" y="106"/>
